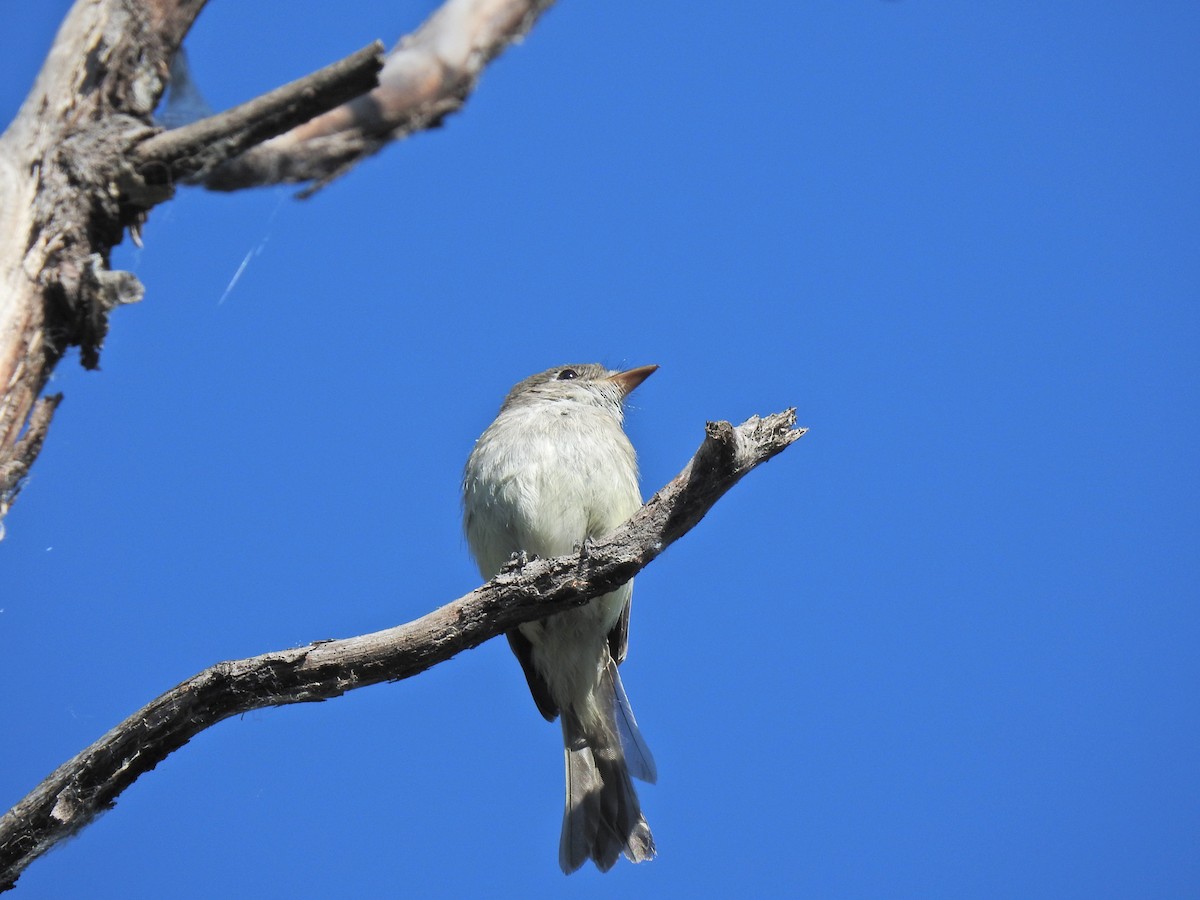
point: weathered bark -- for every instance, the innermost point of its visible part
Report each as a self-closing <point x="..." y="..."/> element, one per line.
<point x="84" y="786"/>
<point x="83" y="162"/>
<point x="428" y="75"/>
<point x="196" y="148"/>
<point x="60" y="211"/>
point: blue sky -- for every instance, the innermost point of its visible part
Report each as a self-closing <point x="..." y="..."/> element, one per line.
<point x="944" y="646"/>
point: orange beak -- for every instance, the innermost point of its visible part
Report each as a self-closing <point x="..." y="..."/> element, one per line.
<point x="631" y="378"/>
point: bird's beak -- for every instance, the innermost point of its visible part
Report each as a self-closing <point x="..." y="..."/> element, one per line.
<point x="631" y="378"/>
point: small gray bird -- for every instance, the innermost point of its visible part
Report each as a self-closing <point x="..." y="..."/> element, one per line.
<point x="554" y="470"/>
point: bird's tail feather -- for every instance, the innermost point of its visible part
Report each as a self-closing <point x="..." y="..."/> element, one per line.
<point x="603" y="818"/>
<point x="637" y="754"/>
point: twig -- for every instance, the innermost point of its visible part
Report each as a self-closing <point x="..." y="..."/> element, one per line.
<point x="88" y="784"/>
<point x="15" y="467"/>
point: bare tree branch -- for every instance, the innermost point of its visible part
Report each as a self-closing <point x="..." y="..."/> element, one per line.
<point x="59" y="213"/>
<point x="81" y="788"/>
<point x="201" y="146"/>
<point x="83" y="162"/>
<point x="429" y="75"/>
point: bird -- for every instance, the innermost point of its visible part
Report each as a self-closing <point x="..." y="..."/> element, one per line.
<point x="553" y="471"/>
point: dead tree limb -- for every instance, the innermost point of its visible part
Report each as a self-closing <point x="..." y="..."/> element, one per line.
<point x="83" y="162"/>
<point x="60" y="214"/>
<point x="198" y="147"/>
<point x="428" y="76"/>
<point x="81" y="788"/>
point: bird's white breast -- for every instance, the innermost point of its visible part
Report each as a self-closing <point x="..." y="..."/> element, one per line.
<point x="541" y="479"/>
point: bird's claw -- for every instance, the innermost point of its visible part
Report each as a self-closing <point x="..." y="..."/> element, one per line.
<point x="516" y="562"/>
<point x="582" y="547"/>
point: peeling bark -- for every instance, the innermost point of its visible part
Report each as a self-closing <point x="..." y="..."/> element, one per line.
<point x="61" y="207"/>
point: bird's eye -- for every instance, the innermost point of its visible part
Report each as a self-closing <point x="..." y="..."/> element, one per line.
<point x="567" y="374"/>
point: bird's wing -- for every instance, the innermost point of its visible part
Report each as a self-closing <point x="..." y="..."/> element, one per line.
<point x="523" y="650"/>
<point x="618" y="636"/>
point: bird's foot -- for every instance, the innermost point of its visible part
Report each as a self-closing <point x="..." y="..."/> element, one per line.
<point x="517" y="562"/>
<point x="583" y="548"/>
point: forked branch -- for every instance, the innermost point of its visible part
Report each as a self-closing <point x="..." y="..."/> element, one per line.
<point x="83" y="163"/>
<point x="201" y="146"/>
<point x="428" y="76"/>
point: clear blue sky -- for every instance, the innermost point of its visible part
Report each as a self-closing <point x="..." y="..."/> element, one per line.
<point x="945" y="646"/>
